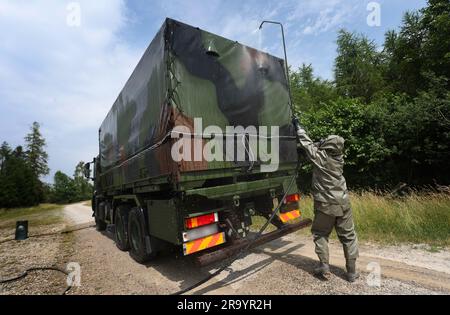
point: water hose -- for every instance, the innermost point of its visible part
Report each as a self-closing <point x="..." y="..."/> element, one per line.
<point x="47" y="268"/>
<point x="243" y="250"/>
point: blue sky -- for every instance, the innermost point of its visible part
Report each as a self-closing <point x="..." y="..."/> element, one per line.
<point x="67" y="77"/>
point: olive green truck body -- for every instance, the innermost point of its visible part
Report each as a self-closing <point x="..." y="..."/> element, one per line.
<point x="156" y="199"/>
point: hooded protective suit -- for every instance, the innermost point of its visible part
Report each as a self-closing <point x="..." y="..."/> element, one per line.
<point x="331" y="200"/>
<point x="328" y="183"/>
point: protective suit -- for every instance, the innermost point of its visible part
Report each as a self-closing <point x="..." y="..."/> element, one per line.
<point x="331" y="201"/>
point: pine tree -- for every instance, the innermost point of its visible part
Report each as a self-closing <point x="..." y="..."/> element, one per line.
<point x="357" y="66"/>
<point x="36" y="154"/>
<point x="18" y="184"/>
<point x="5" y="151"/>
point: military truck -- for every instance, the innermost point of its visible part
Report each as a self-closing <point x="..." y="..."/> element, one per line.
<point x="156" y="200"/>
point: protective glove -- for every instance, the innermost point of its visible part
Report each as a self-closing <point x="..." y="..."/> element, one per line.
<point x="298" y="127"/>
<point x="301" y="131"/>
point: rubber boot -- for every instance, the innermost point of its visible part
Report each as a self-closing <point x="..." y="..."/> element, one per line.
<point x="322" y="270"/>
<point x="352" y="274"/>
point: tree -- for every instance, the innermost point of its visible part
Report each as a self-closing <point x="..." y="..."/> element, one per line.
<point x="6" y="188"/>
<point x="36" y="154"/>
<point x="67" y="190"/>
<point x="403" y="53"/>
<point x="362" y="128"/>
<point x="309" y="92"/>
<point x="436" y="23"/>
<point x="357" y="66"/>
<point x="64" y="189"/>
<point x="18" y="185"/>
<point x="417" y="134"/>
<point x="394" y="109"/>
<point x="83" y="187"/>
<point x="418" y="55"/>
<point x="5" y="152"/>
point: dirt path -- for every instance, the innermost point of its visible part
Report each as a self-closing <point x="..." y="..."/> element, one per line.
<point x="283" y="266"/>
<point x="43" y="251"/>
<point x="78" y="214"/>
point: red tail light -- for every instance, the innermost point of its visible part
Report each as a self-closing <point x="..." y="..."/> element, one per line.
<point x="292" y="198"/>
<point x="192" y="223"/>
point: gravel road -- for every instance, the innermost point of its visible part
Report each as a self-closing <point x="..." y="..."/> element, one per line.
<point x="283" y="266"/>
<point x="78" y="213"/>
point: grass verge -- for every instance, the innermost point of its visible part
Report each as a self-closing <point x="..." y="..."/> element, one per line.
<point x="418" y="218"/>
<point x="44" y="214"/>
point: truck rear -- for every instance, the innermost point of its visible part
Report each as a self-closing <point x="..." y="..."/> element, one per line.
<point x="198" y="142"/>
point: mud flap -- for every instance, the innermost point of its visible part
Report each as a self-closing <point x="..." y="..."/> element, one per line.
<point x="148" y="245"/>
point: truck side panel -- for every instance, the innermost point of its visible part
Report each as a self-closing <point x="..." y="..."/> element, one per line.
<point x="133" y="123"/>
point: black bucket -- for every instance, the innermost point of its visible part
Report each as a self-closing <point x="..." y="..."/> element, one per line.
<point x="21" y="230"/>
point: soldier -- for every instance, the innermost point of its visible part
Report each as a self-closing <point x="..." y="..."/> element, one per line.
<point x="331" y="201"/>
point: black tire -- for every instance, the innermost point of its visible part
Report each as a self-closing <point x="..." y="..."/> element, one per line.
<point x="100" y="225"/>
<point x="137" y="232"/>
<point x="93" y="203"/>
<point x="121" y="228"/>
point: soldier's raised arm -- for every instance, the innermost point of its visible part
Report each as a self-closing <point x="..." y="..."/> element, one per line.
<point x="313" y="153"/>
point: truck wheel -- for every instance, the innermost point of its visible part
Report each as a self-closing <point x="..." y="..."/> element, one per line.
<point x="121" y="228"/>
<point x="140" y="241"/>
<point x="100" y="225"/>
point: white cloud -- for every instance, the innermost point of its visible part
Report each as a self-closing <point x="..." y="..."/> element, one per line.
<point x="65" y="77"/>
<point x="322" y="16"/>
<point x="326" y="20"/>
<point x="236" y="20"/>
<point x="68" y="77"/>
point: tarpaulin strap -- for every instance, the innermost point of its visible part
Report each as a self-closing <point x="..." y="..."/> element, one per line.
<point x="171" y="77"/>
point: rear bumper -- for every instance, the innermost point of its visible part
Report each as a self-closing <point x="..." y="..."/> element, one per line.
<point x="225" y="252"/>
<point x="203" y="243"/>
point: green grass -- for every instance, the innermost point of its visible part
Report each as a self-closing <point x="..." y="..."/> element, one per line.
<point x="44" y="214"/>
<point x="418" y="218"/>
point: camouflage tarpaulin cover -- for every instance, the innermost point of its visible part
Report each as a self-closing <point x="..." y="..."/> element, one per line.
<point x="187" y="73"/>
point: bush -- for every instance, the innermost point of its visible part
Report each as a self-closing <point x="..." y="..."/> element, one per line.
<point x="69" y="190"/>
<point x="394" y="103"/>
<point x="362" y="128"/>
